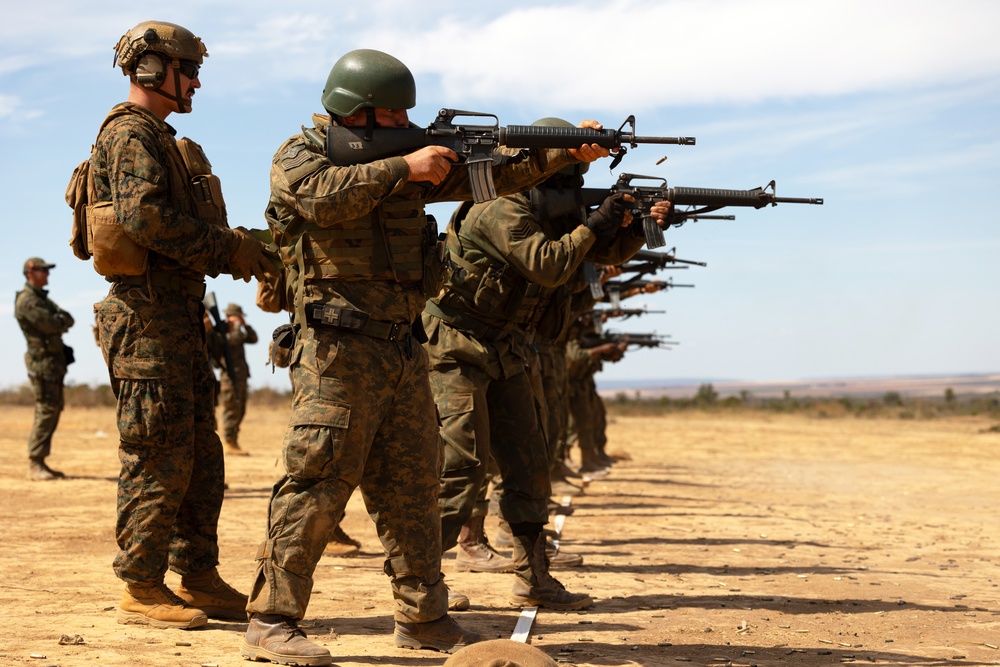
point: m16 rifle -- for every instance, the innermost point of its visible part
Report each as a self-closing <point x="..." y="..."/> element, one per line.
<point x="476" y="144"/>
<point x="603" y="314"/>
<point x="613" y="288"/>
<point x="221" y="326"/>
<point x="592" y="340"/>
<point x="645" y="262"/>
<point x="556" y="202"/>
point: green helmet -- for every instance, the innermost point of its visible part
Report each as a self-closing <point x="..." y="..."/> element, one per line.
<point x="573" y="169"/>
<point x="168" y="39"/>
<point x="366" y="78"/>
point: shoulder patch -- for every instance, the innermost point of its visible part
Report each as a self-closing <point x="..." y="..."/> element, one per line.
<point x="294" y="156"/>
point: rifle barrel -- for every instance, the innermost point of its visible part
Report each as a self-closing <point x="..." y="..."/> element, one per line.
<point x="798" y="200"/>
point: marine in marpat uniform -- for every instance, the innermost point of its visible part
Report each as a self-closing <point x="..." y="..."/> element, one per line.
<point x="43" y="324"/>
<point x="362" y="258"/>
<point x="158" y="226"/>
<point x="233" y="390"/>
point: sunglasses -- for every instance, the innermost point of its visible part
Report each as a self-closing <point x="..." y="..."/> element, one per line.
<point x="189" y="68"/>
<point x="39" y="269"/>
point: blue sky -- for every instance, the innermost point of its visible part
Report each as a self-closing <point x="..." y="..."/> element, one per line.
<point x="890" y="110"/>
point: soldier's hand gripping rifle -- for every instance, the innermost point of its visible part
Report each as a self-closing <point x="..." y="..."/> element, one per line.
<point x="476" y="144"/>
<point x="614" y="288"/>
<point x="703" y="201"/>
<point x="221" y="327"/>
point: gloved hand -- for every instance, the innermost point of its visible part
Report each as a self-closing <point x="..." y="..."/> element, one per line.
<point x="248" y="258"/>
<point x="609" y="217"/>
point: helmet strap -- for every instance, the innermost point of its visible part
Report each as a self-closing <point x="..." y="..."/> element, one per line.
<point x="178" y="97"/>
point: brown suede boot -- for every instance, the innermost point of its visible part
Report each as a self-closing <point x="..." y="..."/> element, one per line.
<point x="534" y="586"/>
<point x="475" y="553"/>
<point x="443" y="635"/>
<point x="458" y="601"/>
<point x="341" y="545"/>
<point x="208" y="592"/>
<point x="232" y="448"/>
<point x="278" y="639"/>
<point x="152" y="603"/>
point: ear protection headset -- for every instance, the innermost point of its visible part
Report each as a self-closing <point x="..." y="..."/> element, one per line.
<point x="150" y="70"/>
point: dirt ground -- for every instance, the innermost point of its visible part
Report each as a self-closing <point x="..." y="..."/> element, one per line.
<point x="743" y="540"/>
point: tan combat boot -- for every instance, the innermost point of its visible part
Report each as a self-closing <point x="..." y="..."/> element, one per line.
<point x="278" y="639"/>
<point x="475" y="554"/>
<point x="534" y="586"/>
<point x="458" y="601"/>
<point x="443" y="635"/>
<point x="38" y="471"/>
<point x="341" y="545"/>
<point x="208" y="592"/>
<point x="232" y="448"/>
<point x="152" y="603"/>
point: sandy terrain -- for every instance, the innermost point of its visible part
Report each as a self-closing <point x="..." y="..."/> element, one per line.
<point x="755" y="539"/>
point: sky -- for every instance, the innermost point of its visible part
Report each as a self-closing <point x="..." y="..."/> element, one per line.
<point x="887" y="109"/>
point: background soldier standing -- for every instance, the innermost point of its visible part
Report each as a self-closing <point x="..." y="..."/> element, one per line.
<point x="43" y="323"/>
<point x="159" y="227"/>
<point x="234" y="392"/>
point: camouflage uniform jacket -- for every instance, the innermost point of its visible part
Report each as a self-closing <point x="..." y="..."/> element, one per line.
<point x="43" y="323"/>
<point x="237" y="338"/>
<point x="532" y="261"/>
<point x="345" y="232"/>
<point x="131" y="167"/>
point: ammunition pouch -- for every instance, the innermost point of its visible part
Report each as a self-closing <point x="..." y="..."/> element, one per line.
<point x="115" y="254"/>
<point x="282" y="343"/>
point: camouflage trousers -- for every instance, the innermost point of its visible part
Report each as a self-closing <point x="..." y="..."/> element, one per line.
<point x="48" y="407"/>
<point x="170" y="488"/>
<point x="362" y="414"/>
<point x="484" y="417"/>
<point x="233" y="396"/>
<point x="555" y="387"/>
<point x="588" y="418"/>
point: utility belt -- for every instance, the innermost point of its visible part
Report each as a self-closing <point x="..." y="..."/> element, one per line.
<point x="190" y="287"/>
<point x="357" y="321"/>
<point x="479" y="330"/>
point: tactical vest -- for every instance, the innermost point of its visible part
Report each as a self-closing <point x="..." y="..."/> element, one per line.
<point x="486" y="287"/>
<point x="394" y="242"/>
<point x="197" y="192"/>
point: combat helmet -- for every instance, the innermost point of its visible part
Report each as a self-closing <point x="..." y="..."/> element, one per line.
<point x="573" y="169"/>
<point x="145" y="51"/>
<point x="368" y="79"/>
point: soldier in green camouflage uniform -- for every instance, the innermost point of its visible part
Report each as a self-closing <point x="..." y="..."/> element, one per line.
<point x="360" y="256"/>
<point x="43" y="324"/>
<point x="233" y="392"/>
<point x="508" y="268"/>
<point x="172" y="232"/>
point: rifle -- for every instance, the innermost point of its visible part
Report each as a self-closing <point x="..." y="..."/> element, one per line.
<point x="554" y="202"/>
<point x="592" y="340"/>
<point x="614" y="288"/>
<point x="624" y="313"/>
<point x="647" y="261"/>
<point x="221" y="327"/>
<point x="475" y="144"/>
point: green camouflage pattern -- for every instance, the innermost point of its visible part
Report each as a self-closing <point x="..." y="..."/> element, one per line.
<point x="170" y="488"/>
<point x="43" y="322"/>
<point x="131" y="167"/>
<point x="233" y="395"/>
<point x="486" y="376"/>
<point x="363" y="413"/>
